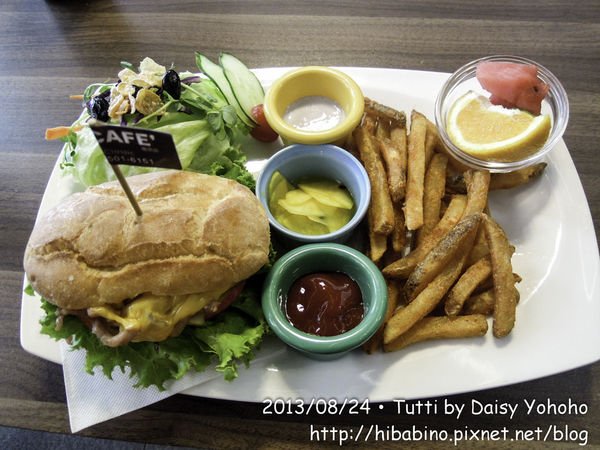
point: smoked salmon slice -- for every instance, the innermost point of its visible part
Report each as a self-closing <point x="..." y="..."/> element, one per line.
<point x="512" y="85"/>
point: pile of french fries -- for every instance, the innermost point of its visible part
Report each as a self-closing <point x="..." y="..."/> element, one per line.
<point x="447" y="262"/>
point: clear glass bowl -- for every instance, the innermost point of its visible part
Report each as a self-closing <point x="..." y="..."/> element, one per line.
<point x="556" y="105"/>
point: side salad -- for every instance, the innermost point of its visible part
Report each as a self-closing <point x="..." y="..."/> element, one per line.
<point x="208" y="114"/>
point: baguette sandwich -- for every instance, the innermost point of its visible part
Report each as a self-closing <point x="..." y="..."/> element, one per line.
<point x="164" y="277"/>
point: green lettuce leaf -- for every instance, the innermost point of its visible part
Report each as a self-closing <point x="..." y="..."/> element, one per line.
<point x="218" y="157"/>
<point x="188" y="135"/>
<point x="230" y="339"/>
<point x="226" y="341"/>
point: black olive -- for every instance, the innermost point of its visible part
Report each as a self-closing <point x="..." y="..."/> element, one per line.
<point x="172" y="84"/>
<point x="98" y="108"/>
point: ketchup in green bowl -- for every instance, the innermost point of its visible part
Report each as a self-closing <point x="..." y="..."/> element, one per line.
<point x="324" y="303"/>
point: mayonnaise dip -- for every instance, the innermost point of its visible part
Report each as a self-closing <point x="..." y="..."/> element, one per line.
<point x="314" y="113"/>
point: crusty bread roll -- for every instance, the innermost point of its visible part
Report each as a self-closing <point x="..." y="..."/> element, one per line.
<point x="198" y="233"/>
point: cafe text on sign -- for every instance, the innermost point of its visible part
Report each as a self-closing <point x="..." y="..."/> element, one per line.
<point x="136" y="146"/>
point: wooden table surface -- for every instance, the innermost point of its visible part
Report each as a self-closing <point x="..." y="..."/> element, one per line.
<point x="50" y="49"/>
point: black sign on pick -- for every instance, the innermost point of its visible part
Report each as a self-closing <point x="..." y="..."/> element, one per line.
<point x="136" y="146"/>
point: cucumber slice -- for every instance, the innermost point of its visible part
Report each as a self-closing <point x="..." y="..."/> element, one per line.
<point x="245" y="86"/>
<point x="216" y="74"/>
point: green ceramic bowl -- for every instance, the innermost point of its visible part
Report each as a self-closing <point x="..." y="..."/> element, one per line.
<point x="331" y="258"/>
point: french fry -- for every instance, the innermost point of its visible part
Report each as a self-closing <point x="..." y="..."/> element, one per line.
<point x="430" y="328"/>
<point x="466" y="285"/>
<point x="381" y="203"/>
<point x="399" y="141"/>
<point x="404" y="266"/>
<point x="455" y="181"/>
<point x="431" y="142"/>
<point x="369" y="124"/>
<point x="398" y="235"/>
<point x="393" y="298"/>
<point x="432" y="129"/>
<point x="434" y="190"/>
<point x="413" y="207"/>
<point x="478" y="182"/>
<point x="376" y="109"/>
<point x="392" y="157"/>
<point x="432" y="137"/>
<point x="504" y="281"/>
<point x="377" y="241"/>
<point x="516" y="178"/>
<point x="406" y="317"/>
<point x="489" y="283"/>
<point x="482" y="303"/>
<point x="375" y="343"/>
<point x="458" y="241"/>
<point x="382" y="129"/>
<point x="480" y="248"/>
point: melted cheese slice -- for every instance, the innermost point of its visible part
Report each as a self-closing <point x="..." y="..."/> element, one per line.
<point x="154" y="317"/>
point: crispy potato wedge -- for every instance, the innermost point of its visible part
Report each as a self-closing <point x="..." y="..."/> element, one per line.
<point x="399" y="141"/>
<point x="402" y="267"/>
<point x="441" y="327"/>
<point x="482" y="303"/>
<point x="406" y="317"/>
<point x="394" y="157"/>
<point x="478" y="182"/>
<point x="466" y="285"/>
<point x="416" y="166"/>
<point x="381" y="203"/>
<point x="458" y="241"/>
<point x="480" y="248"/>
<point x="373" y="108"/>
<point x="377" y="241"/>
<point x="505" y="292"/>
<point x="516" y="178"/>
<point x="455" y="181"/>
<point x="434" y="191"/>
<point x="398" y="237"/>
<point x="489" y="283"/>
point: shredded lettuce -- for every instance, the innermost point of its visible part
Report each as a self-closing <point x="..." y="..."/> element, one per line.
<point x="227" y="341"/>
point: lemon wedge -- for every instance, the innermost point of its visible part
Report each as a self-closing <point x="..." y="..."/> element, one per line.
<point x="494" y="132"/>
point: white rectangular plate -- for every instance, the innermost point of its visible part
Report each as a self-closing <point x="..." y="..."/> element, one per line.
<point x="558" y="316"/>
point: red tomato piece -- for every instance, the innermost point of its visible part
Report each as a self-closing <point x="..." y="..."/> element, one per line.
<point x="262" y="131"/>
